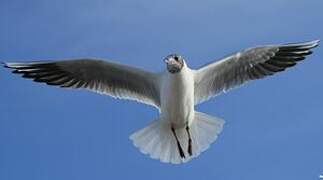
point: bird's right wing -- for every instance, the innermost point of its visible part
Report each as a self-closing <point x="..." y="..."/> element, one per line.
<point x="106" y="77"/>
<point x="246" y="65"/>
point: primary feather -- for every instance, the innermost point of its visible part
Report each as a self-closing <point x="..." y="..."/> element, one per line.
<point x="246" y="65"/>
<point x="106" y="77"/>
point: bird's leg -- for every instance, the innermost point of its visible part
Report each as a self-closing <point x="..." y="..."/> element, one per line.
<point x="189" y="140"/>
<point x="180" y="150"/>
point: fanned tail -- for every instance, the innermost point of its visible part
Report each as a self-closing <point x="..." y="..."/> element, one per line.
<point x="158" y="141"/>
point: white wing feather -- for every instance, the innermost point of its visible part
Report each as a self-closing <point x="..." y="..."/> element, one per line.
<point x="249" y="64"/>
<point x="105" y="77"/>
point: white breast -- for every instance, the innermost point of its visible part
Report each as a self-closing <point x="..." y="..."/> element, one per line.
<point x="177" y="97"/>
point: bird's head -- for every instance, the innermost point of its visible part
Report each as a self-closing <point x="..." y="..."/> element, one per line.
<point x="174" y="63"/>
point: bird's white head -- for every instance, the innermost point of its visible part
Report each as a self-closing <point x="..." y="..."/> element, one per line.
<point x="174" y="63"/>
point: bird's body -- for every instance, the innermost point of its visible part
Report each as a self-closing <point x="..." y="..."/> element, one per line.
<point x="179" y="133"/>
<point x="177" y="98"/>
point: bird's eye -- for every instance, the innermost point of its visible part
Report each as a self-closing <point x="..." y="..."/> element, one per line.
<point x="176" y="58"/>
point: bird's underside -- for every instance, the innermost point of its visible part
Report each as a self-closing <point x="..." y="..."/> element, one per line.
<point x="170" y="142"/>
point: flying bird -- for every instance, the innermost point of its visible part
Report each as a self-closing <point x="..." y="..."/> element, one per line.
<point x="179" y="133"/>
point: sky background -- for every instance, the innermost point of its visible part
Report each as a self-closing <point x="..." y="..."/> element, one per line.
<point x="273" y="126"/>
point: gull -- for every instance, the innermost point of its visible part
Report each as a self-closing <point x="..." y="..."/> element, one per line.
<point x="179" y="133"/>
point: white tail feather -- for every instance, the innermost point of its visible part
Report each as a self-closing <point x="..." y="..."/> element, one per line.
<point x="157" y="139"/>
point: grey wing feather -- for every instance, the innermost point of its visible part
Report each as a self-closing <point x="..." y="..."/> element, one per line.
<point x="249" y="64"/>
<point x="106" y="77"/>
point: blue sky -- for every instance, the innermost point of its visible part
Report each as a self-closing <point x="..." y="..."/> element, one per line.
<point x="274" y="126"/>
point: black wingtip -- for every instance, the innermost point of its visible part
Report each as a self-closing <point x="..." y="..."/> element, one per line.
<point x="4" y="64"/>
<point x="317" y="42"/>
<point x="306" y="45"/>
<point x="314" y="43"/>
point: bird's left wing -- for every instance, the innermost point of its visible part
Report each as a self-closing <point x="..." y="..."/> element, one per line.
<point x="106" y="77"/>
<point x="249" y="64"/>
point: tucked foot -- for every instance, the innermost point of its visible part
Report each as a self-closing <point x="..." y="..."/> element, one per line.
<point x="189" y="149"/>
<point x="180" y="150"/>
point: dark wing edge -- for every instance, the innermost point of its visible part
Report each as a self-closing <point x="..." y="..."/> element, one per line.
<point x="249" y="64"/>
<point x="104" y="77"/>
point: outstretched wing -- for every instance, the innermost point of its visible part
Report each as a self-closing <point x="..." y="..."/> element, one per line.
<point x="106" y="77"/>
<point x="249" y="64"/>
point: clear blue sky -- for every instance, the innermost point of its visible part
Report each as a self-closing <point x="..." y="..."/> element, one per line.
<point x="274" y="126"/>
